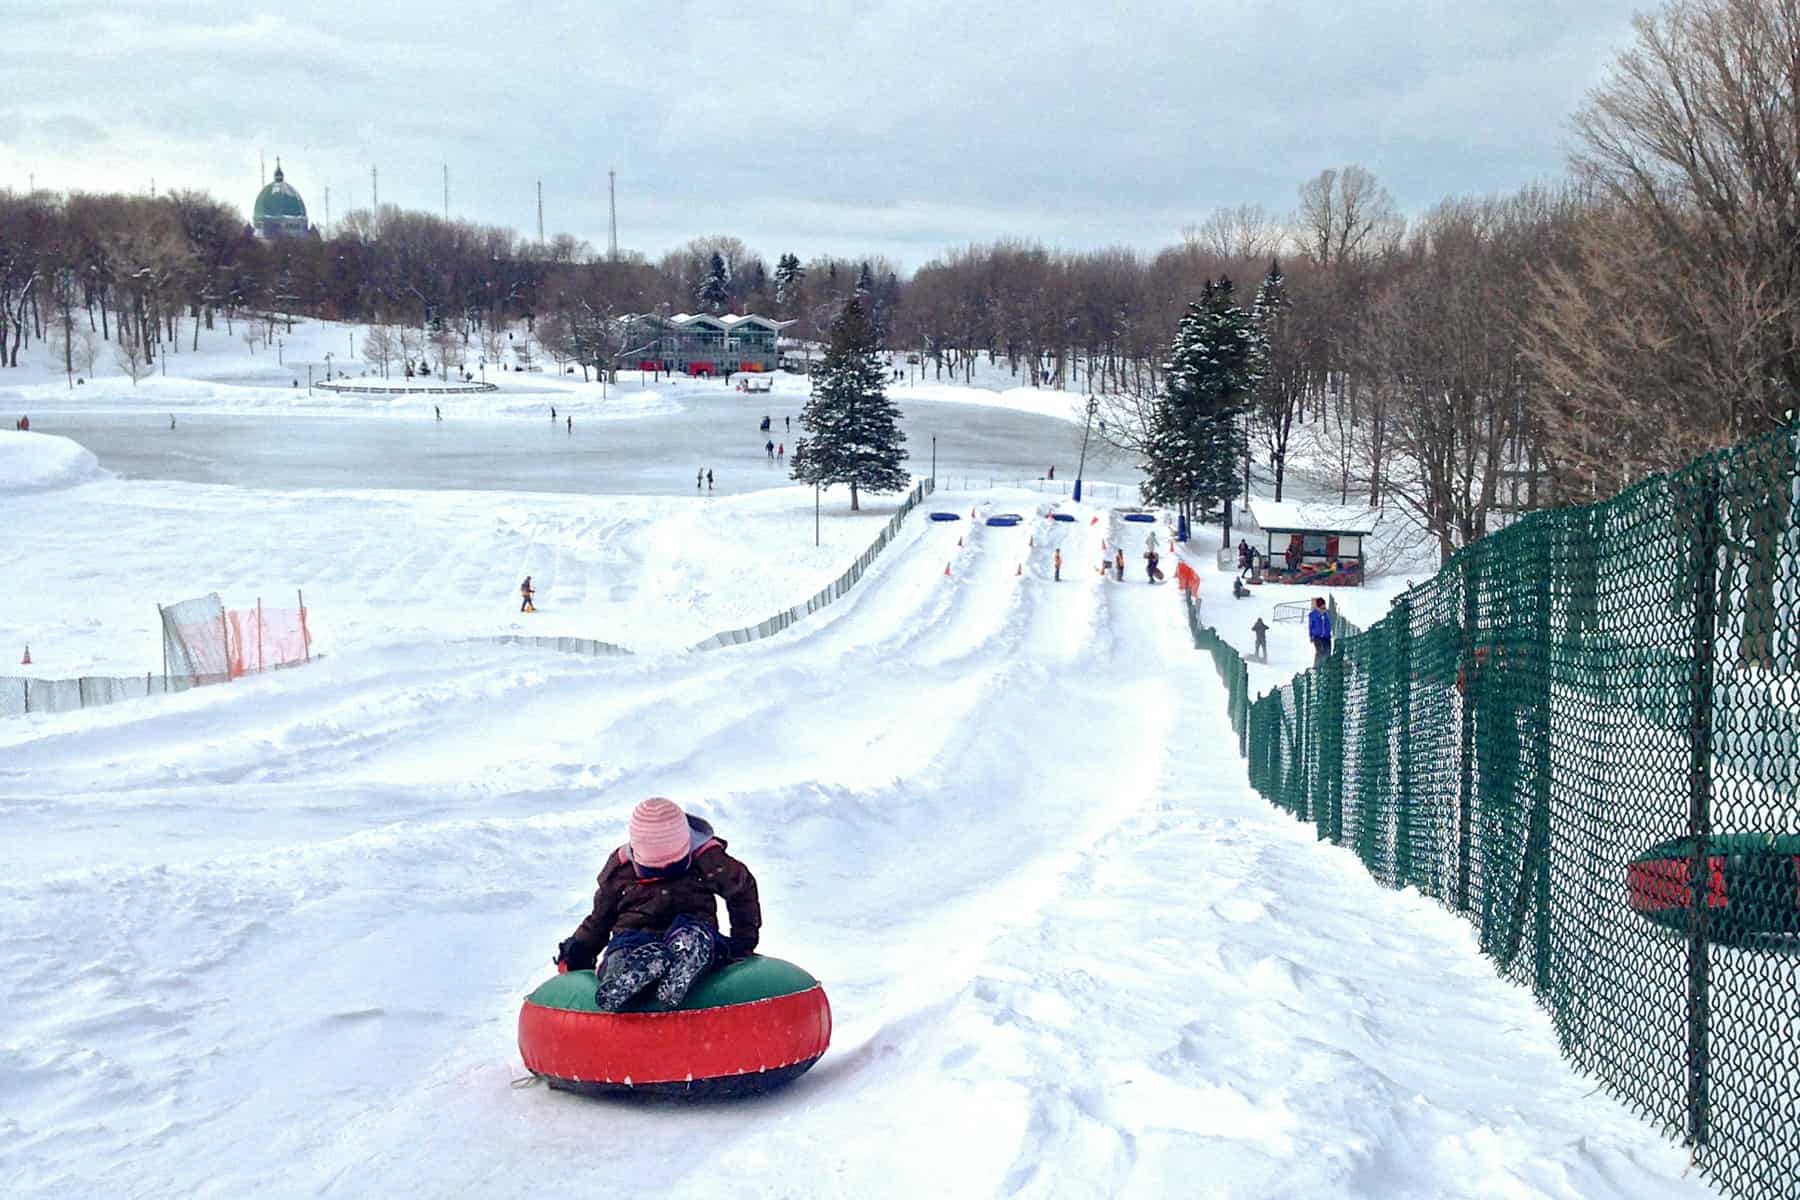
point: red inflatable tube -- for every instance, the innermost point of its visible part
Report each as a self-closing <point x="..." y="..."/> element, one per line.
<point x="598" y="1051"/>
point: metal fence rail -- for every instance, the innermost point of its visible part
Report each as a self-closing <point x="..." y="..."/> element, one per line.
<point x="827" y="594"/>
<point x="1583" y="736"/>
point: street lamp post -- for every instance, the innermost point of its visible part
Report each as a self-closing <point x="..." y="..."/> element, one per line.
<point x="815" y="513"/>
<point x="278" y="345"/>
<point x="934" y="460"/>
<point x="1092" y="406"/>
<point x="309" y="378"/>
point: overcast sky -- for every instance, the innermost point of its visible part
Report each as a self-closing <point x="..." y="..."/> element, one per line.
<point x="901" y="127"/>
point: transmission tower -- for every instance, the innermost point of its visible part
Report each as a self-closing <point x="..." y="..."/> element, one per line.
<point x="612" y="205"/>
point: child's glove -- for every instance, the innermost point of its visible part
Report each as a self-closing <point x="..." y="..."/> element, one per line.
<point x="739" y="947"/>
<point x="573" y="954"/>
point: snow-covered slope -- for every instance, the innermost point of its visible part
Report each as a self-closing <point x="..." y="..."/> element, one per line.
<point x="32" y="462"/>
<point x="270" y="939"/>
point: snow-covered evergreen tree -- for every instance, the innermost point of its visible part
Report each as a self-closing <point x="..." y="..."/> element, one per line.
<point x="1197" y="435"/>
<point x="715" y="289"/>
<point x="788" y="274"/>
<point x="1276" y="404"/>
<point x="851" y="429"/>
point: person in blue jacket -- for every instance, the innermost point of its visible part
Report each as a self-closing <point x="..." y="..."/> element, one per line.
<point x="1318" y="628"/>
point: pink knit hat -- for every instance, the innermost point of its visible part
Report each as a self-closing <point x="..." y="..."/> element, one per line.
<point x="659" y="833"/>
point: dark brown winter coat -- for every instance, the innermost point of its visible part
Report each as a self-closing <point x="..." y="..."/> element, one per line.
<point x="624" y="901"/>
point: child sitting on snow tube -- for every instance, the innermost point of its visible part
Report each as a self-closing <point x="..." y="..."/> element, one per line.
<point x="656" y="910"/>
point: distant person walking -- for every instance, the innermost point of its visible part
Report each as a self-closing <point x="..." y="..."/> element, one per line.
<point x="437" y="412"/>
<point x="24" y="424"/>
<point x="553" y="412"/>
<point x="1261" y="630"/>
<point x="571" y="421"/>
<point x="1318" y="628"/>
<point x="1119" y="563"/>
<point x="1056" y="566"/>
<point x="526" y="592"/>
<point x="709" y="479"/>
<point x="769" y="449"/>
<point x="787" y="423"/>
<point x="171" y="420"/>
<point x="699" y="478"/>
<point x="1052" y="474"/>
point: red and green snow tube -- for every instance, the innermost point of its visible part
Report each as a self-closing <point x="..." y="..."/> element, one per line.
<point x="1750" y="888"/>
<point x="747" y="1027"/>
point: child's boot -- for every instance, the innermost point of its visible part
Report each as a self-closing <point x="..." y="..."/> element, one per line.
<point x="627" y="973"/>
<point x="690" y="951"/>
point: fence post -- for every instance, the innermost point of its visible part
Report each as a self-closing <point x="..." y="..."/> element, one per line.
<point x="225" y="640"/>
<point x="1401" y="616"/>
<point x="259" y="627"/>
<point x="1699" y="950"/>
<point x="162" y="619"/>
<point x="305" y="633"/>
<point x="27" y="684"/>
<point x="1465" y="782"/>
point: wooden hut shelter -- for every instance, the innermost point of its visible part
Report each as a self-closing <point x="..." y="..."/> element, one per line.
<point x="1308" y="543"/>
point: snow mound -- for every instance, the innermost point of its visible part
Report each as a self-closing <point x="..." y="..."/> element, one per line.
<point x="38" y="462"/>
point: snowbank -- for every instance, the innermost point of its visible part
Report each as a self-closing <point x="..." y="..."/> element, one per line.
<point x="35" y="462"/>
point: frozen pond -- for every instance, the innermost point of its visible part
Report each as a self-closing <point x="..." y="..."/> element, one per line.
<point x="649" y="455"/>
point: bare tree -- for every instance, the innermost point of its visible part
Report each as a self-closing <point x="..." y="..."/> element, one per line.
<point x="448" y="344"/>
<point x="1246" y="233"/>
<point x="1346" y="217"/>
<point x="1678" y="326"/>
<point x="130" y="353"/>
<point x="379" y="347"/>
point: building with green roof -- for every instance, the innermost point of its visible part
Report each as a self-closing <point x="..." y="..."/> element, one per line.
<point x="279" y="211"/>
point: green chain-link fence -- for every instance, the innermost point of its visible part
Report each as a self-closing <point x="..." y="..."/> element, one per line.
<point x="1583" y="735"/>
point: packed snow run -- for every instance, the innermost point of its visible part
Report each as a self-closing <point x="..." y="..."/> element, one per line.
<point x="271" y="938"/>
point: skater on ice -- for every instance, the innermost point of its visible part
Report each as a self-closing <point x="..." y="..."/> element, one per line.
<point x="655" y="920"/>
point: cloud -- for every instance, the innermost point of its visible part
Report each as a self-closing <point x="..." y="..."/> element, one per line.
<point x="894" y="127"/>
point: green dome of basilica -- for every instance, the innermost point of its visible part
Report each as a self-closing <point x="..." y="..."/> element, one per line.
<point x="279" y="199"/>
<point x="279" y="210"/>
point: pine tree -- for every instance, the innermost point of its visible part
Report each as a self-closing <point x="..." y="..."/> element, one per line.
<point x="852" y="430"/>
<point x="715" y="289"/>
<point x="788" y="275"/>
<point x="1197" y="435"/>
<point x="1284" y="381"/>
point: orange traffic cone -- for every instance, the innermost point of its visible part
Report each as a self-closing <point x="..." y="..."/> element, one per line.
<point x="1019" y="569"/>
<point x="946" y="569"/>
<point x="971" y="514"/>
<point x="26" y="661"/>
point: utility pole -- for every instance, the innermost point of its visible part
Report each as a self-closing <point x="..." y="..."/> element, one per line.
<point x="540" y="212"/>
<point x="374" y="190"/>
<point x="612" y="206"/>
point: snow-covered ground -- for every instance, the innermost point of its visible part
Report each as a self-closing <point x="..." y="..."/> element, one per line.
<point x="271" y="938"/>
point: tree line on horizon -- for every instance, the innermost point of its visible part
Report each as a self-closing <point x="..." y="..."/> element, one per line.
<point x="1494" y="354"/>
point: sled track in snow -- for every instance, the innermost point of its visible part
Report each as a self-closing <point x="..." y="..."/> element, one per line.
<point x="969" y="802"/>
